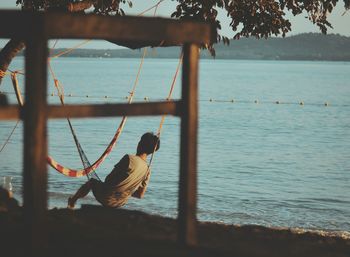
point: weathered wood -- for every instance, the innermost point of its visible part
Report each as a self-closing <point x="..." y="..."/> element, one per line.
<point x="110" y="110"/>
<point x="127" y="28"/>
<point x="99" y="110"/>
<point x="10" y="112"/>
<point x="188" y="163"/>
<point x="35" y="142"/>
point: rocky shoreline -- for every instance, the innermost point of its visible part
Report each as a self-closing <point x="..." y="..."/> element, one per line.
<point x="97" y="231"/>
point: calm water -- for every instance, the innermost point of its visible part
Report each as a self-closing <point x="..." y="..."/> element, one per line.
<point x="271" y="164"/>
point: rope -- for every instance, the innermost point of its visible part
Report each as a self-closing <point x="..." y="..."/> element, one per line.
<point x="20" y="102"/>
<point x="163" y="116"/>
<point x="70" y="49"/>
<point x="8" y="138"/>
<point x="16" y="88"/>
<point x="210" y="100"/>
<point x="150" y="8"/>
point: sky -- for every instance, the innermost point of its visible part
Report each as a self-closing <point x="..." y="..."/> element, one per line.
<point x="341" y="23"/>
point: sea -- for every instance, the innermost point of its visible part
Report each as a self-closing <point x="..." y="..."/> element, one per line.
<point x="273" y="144"/>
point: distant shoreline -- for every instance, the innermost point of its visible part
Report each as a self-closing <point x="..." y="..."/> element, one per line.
<point x="302" y="47"/>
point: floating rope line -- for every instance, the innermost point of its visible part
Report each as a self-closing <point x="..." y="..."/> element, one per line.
<point x="211" y="100"/>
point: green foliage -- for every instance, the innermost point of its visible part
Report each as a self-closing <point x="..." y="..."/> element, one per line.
<point x="260" y="18"/>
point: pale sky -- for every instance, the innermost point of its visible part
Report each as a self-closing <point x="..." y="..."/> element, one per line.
<point x="341" y="23"/>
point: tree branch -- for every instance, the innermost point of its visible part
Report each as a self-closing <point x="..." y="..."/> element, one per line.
<point x="11" y="49"/>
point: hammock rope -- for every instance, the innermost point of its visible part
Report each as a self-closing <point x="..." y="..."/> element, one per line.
<point x="163" y="116"/>
<point x="20" y="102"/>
<point x="9" y="136"/>
<point x="91" y="168"/>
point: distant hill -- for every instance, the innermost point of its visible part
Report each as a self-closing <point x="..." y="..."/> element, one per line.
<point x="307" y="46"/>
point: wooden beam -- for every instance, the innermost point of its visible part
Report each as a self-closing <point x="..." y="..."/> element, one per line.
<point x="101" y="110"/>
<point x="128" y="28"/>
<point x="187" y="234"/>
<point x="111" y="110"/>
<point x="35" y="142"/>
<point x="10" y="112"/>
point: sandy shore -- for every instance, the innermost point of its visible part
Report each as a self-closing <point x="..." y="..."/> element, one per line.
<point x="97" y="231"/>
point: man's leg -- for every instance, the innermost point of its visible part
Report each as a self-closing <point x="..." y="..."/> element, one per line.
<point x="82" y="192"/>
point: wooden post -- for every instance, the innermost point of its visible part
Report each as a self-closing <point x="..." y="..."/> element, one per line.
<point x="35" y="142"/>
<point x="187" y="219"/>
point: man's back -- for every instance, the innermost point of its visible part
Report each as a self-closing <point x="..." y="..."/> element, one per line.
<point x="128" y="175"/>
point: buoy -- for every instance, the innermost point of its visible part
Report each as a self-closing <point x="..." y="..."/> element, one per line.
<point x="87" y="95"/>
<point x="210" y="100"/>
<point x="301" y="103"/>
<point x="256" y="101"/>
<point x="70" y="95"/>
<point x="326" y="104"/>
<point x="278" y="102"/>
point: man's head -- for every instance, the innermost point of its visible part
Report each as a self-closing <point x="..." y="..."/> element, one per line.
<point x="148" y="143"/>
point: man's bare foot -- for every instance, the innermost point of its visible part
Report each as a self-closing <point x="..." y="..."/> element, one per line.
<point x="71" y="203"/>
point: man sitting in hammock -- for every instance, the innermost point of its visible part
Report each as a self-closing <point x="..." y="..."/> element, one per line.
<point x="129" y="177"/>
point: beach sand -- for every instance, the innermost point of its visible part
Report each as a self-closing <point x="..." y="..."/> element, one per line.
<point x="97" y="231"/>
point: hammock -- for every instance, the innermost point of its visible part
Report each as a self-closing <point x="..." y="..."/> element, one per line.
<point x="89" y="170"/>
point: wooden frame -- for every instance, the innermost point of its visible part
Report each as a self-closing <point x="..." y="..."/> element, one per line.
<point x="36" y="29"/>
<point x="13" y="112"/>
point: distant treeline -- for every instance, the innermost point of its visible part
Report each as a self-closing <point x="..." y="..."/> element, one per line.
<point x="307" y="46"/>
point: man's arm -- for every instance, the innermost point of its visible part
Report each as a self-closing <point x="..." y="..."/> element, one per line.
<point x="140" y="192"/>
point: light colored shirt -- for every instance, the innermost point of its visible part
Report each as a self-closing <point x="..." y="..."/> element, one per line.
<point x="128" y="175"/>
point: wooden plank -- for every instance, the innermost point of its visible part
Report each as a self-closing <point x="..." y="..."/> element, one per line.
<point x="99" y="110"/>
<point x="128" y="28"/>
<point x="10" y="112"/>
<point x="187" y="234"/>
<point x="35" y="142"/>
<point x="110" y="110"/>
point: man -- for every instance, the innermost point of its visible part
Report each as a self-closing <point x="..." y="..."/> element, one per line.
<point x="129" y="177"/>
